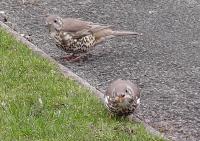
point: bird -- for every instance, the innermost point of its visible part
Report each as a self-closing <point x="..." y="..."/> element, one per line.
<point x="78" y="37"/>
<point x="122" y="97"/>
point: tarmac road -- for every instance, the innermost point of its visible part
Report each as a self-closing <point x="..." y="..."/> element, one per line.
<point x="165" y="61"/>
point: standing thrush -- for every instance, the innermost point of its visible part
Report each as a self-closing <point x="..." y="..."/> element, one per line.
<point x="78" y="36"/>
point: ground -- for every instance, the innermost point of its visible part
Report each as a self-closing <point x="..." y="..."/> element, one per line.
<point x="38" y="103"/>
<point x="164" y="62"/>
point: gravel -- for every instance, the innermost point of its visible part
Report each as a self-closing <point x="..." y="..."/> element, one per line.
<point x="164" y="62"/>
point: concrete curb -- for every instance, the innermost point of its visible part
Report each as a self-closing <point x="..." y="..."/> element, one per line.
<point x="69" y="74"/>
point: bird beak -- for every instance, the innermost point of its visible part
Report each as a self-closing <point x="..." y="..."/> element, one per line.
<point x="120" y="99"/>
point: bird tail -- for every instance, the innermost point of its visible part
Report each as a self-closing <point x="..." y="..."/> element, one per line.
<point x="108" y="33"/>
<point x="124" y="33"/>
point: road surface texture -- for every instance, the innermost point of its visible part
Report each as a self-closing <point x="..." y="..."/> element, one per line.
<point x="164" y="62"/>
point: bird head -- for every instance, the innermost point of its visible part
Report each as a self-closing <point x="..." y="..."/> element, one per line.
<point x="123" y="95"/>
<point x="54" y="23"/>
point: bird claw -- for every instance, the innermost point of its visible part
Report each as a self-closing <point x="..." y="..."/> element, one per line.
<point x="72" y="58"/>
<point x="110" y="115"/>
<point x="68" y="58"/>
<point x="76" y="59"/>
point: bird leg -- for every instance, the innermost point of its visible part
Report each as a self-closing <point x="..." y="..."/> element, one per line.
<point x="76" y="59"/>
<point x="69" y="57"/>
<point x="73" y="58"/>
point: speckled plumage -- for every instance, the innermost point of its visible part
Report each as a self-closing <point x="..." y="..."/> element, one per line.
<point x="74" y="45"/>
<point x="122" y="97"/>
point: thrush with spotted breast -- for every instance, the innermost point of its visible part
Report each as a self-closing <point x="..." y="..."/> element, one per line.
<point x="77" y="36"/>
<point x="122" y="97"/>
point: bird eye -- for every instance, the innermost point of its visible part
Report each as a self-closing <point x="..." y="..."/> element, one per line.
<point x="128" y="90"/>
<point x="55" y="21"/>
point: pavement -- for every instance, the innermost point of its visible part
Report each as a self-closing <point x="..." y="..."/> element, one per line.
<point x="164" y="62"/>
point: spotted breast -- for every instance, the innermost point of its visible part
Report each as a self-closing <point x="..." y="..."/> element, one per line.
<point x="119" y="109"/>
<point x="68" y="43"/>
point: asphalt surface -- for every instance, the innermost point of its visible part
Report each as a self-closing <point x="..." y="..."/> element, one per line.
<point x="164" y="62"/>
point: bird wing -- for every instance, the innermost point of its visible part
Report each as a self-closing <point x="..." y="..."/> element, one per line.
<point x="96" y="28"/>
<point x="80" y="27"/>
<point x="81" y="33"/>
<point x="75" y="25"/>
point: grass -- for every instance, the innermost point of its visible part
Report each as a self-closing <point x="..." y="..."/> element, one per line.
<point x="38" y="103"/>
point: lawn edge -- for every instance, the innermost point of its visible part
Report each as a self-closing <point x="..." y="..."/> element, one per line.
<point x="69" y="74"/>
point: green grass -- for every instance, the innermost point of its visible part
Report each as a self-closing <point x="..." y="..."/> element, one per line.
<point x="38" y="103"/>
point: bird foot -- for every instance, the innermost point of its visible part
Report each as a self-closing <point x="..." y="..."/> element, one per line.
<point x="110" y="115"/>
<point x="76" y="59"/>
<point x="72" y="58"/>
<point x="68" y="58"/>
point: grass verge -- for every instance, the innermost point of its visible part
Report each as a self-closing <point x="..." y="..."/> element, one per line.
<point x="38" y="103"/>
